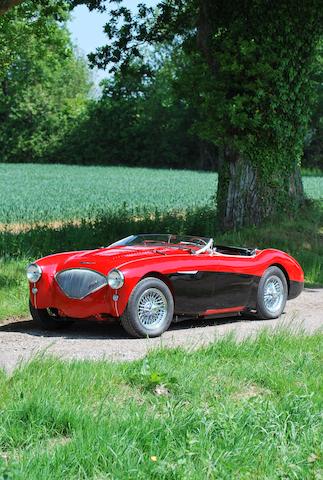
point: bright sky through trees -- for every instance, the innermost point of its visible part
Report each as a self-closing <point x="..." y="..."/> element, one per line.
<point x="87" y="30"/>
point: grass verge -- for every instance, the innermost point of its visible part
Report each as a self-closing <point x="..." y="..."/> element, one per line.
<point x="245" y="411"/>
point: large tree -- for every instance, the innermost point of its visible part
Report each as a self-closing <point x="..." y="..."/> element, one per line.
<point x="44" y="86"/>
<point x="248" y="70"/>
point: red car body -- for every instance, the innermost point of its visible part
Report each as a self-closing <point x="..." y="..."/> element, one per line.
<point x="218" y="282"/>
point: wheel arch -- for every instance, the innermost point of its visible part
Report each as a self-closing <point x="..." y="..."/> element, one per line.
<point x="283" y="269"/>
<point x="162" y="277"/>
<point x="129" y="319"/>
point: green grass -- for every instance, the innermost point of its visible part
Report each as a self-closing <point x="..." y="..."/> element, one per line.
<point x="230" y="411"/>
<point x="312" y="172"/>
<point x="40" y="193"/>
<point x="13" y="288"/>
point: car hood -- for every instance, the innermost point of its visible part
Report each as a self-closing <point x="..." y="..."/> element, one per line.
<point x="101" y="260"/>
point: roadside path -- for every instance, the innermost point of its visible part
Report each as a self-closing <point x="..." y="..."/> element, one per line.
<point x="20" y="340"/>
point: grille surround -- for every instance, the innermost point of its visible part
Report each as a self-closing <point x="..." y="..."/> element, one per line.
<point x="78" y="283"/>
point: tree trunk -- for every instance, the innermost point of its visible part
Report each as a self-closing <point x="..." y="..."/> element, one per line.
<point x="248" y="191"/>
<point x="245" y="197"/>
<point x="5" y="5"/>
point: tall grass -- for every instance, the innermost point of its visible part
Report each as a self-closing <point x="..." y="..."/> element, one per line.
<point x="243" y="411"/>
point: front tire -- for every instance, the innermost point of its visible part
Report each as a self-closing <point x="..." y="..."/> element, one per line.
<point x="150" y="309"/>
<point x="272" y="294"/>
<point x="46" y="321"/>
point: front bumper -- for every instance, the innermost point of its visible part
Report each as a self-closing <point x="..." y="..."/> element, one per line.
<point x="49" y="295"/>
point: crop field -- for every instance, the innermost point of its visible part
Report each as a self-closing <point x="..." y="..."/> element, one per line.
<point x="40" y="193"/>
<point x="60" y="192"/>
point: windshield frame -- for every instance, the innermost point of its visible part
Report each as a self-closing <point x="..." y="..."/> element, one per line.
<point x="159" y="240"/>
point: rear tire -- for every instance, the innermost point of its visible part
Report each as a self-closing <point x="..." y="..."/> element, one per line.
<point x="46" y="321"/>
<point x="272" y="294"/>
<point x="150" y="309"/>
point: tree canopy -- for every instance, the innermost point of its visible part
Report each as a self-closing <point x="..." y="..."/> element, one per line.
<point x="248" y="69"/>
<point x="44" y="85"/>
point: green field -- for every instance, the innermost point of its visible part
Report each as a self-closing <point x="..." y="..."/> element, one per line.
<point x="40" y="193"/>
<point x="59" y="192"/>
<point x="230" y="411"/>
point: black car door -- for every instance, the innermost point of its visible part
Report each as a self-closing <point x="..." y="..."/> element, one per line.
<point x="196" y="291"/>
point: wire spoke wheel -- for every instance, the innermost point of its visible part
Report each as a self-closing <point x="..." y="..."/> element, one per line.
<point x="273" y="293"/>
<point x="152" y="308"/>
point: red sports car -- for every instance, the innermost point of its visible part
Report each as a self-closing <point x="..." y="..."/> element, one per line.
<point x="146" y="281"/>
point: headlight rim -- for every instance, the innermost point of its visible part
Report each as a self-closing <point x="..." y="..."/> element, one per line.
<point x="122" y="279"/>
<point x="39" y="269"/>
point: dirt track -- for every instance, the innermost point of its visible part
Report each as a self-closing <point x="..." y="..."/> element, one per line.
<point x="19" y="340"/>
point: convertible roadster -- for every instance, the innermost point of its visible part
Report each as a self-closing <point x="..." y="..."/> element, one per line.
<point x="147" y="281"/>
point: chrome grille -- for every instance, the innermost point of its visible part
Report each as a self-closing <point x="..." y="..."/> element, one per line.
<point x="79" y="282"/>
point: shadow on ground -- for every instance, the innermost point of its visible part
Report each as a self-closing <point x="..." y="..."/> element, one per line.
<point x="87" y="329"/>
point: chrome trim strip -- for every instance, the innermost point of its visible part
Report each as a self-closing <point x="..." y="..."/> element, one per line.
<point x="35" y="297"/>
<point x="188" y="272"/>
<point x="116" y="304"/>
<point x="79" y="268"/>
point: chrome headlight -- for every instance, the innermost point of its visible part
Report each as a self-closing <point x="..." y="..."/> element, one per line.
<point x="115" y="279"/>
<point x="34" y="272"/>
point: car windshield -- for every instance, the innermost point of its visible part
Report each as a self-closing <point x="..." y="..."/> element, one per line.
<point x="161" y="240"/>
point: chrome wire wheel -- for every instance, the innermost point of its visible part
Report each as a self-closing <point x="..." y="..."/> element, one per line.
<point x="152" y="308"/>
<point x="273" y="293"/>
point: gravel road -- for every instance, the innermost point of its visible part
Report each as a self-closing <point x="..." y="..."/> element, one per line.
<point x="21" y="339"/>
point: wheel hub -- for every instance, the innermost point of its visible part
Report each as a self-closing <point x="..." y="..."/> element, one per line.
<point x="152" y="308"/>
<point x="273" y="293"/>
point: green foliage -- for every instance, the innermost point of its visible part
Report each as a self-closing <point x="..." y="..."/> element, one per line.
<point x="248" y="71"/>
<point x="32" y="18"/>
<point x="162" y="106"/>
<point x="239" y="410"/>
<point x="255" y="103"/>
<point x="253" y="77"/>
<point x="313" y="152"/>
<point x="261" y="102"/>
<point x="44" y="84"/>
<point x="138" y="120"/>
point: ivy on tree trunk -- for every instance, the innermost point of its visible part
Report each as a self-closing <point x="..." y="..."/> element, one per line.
<point x="256" y="96"/>
<point x="246" y="198"/>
